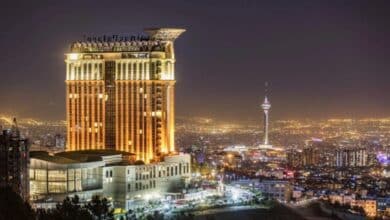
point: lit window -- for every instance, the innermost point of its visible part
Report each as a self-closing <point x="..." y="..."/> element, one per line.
<point x="73" y="56"/>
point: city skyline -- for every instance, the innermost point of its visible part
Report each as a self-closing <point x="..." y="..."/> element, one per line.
<point x="194" y="110"/>
<point x="341" y="56"/>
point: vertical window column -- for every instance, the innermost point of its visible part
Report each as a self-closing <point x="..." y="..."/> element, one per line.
<point x="141" y="72"/>
<point x="130" y="69"/>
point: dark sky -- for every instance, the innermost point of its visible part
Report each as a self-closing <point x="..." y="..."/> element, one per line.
<point x="322" y="58"/>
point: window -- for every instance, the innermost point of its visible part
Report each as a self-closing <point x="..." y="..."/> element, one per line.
<point x="57" y="175"/>
<point x="57" y="187"/>
<point x="119" y="68"/>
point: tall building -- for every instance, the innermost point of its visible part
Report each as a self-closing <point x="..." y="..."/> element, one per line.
<point x="351" y="157"/>
<point x="120" y="93"/>
<point x="294" y="158"/>
<point x="14" y="161"/>
<point x="310" y="156"/>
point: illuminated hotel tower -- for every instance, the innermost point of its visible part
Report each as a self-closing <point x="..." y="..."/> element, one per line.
<point x="266" y="106"/>
<point x="120" y="93"/>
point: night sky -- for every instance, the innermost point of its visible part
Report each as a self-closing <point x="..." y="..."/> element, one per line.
<point x="322" y="58"/>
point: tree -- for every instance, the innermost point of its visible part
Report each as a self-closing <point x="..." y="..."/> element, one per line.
<point x="100" y="208"/>
<point x="12" y="206"/>
<point x="359" y="209"/>
<point x="69" y="209"/>
<point x="337" y="204"/>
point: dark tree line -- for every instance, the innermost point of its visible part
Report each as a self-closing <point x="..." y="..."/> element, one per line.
<point x="12" y="207"/>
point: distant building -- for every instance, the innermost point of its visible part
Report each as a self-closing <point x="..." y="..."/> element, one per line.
<point x="59" y="141"/>
<point x="276" y="189"/>
<point x="369" y="206"/>
<point x="294" y="158"/>
<point x="383" y="206"/>
<point x="310" y="156"/>
<point x="14" y="161"/>
<point x="111" y="174"/>
<point x="232" y="160"/>
<point x="318" y="153"/>
<point x="272" y="189"/>
<point x="351" y="157"/>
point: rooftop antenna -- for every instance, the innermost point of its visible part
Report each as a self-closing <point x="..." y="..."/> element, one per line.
<point x="14" y="128"/>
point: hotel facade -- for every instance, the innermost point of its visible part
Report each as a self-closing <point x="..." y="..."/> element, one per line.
<point x="120" y="94"/>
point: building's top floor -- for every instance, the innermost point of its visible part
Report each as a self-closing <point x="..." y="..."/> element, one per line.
<point x="93" y="158"/>
<point x="158" y="39"/>
<point x="80" y="158"/>
<point x="139" y="45"/>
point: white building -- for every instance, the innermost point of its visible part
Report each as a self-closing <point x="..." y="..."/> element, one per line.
<point x="110" y="174"/>
<point x="351" y="157"/>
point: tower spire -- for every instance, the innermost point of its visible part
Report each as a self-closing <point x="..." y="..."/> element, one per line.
<point x="266" y="106"/>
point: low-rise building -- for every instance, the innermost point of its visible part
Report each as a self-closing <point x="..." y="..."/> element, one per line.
<point x="111" y="174"/>
<point x="383" y="206"/>
<point x="369" y="206"/>
<point x="276" y="189"/>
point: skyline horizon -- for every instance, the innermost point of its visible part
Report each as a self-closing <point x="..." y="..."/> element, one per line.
<point x="181" y="118"/>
